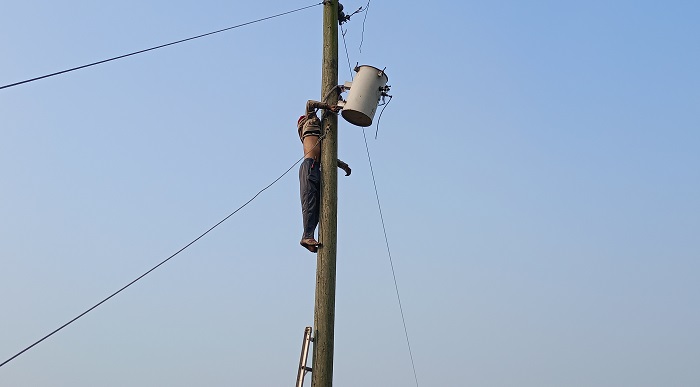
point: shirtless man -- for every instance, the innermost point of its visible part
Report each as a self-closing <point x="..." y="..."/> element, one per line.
<point x="309" y="128"/>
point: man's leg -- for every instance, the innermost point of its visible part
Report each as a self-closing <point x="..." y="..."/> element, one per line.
<point x="309" y="183"/>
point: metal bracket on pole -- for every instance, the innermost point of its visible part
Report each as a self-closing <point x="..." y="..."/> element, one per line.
<point x="343" y="88"/>
<point x="303" y="369"/>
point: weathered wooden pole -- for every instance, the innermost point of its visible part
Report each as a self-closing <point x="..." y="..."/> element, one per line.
<point x="324" y="313"/>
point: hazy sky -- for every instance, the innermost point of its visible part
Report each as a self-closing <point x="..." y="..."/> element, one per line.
<point x="538" y="169"/>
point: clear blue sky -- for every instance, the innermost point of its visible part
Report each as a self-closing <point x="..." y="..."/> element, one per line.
<point x="538" y="169"/>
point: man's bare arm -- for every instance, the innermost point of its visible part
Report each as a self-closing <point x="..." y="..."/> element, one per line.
<point x="312" y="105"/>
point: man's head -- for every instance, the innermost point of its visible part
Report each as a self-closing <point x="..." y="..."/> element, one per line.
<point x="300" y="124"/>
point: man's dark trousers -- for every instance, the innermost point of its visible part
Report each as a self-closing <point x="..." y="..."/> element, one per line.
<point x="310" y="187"/>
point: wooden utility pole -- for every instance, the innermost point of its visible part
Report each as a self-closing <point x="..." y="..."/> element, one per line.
<point x="324" y="313"/>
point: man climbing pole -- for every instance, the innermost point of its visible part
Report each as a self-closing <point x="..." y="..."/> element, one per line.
<point x="309" y="128"/>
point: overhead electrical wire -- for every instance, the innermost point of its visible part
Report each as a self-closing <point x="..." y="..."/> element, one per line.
<point x="156" y="47"/>
<point x="347" y="55"/>
<point x="162" y="262"/>
<point x="391" y="261"/>
<point x="363" y="24"/>
<point x="379" y="205"/>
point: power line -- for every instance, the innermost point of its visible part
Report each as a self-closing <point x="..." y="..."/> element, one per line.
<point x="163" y="262"/>
<point x="376" y="192"/>
<point x="391" y="261"/>
<point x="155" y="48"/>
<point x="363" y="24"/>
<point x="347" y="55"/>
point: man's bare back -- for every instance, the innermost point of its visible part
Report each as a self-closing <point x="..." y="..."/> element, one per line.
<point x="312" y="148"/>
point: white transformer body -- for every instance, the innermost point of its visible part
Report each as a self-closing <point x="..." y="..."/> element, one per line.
<point x="363" y="97"/>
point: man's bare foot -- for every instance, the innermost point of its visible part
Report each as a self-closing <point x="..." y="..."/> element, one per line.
<point x="310" y="244"/>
